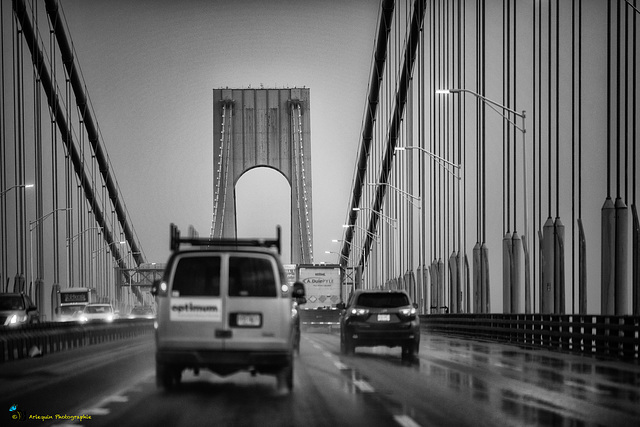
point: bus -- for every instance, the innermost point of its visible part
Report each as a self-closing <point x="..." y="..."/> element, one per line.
<point x="72" y="301"/>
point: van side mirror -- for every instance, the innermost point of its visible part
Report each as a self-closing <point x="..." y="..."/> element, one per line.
<point x="340" y="306"/>
<point x="154" y="287"/>
<point x="298" y="293"/>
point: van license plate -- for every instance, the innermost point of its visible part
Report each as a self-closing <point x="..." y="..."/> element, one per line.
<point x="251" y="320"/>
<point x="384" y="317"/>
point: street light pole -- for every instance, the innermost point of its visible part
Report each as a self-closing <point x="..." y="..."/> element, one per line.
<point x="3" y="270"/>
<point x="339" y="254"/>
<point x="370" y="234"/>
<point x="501" y="109"/>
<point x="2" y="193"/>
<point x="390" y="221"/>
<point x="348" y="243"/>
<point x="409" y="197"/>
<point x="435" y="156"/>
<point x="32" y="226"/>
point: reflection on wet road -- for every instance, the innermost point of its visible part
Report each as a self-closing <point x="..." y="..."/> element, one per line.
<point x="457" y="381"/>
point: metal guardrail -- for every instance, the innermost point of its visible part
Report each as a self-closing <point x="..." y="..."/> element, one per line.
<point x="45" y="338"/>
<point x="616" y="337"/>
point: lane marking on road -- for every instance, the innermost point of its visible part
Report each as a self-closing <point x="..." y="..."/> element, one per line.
<point x="585" y="387"/>
<point x="363" y="386"/>
<point x="98" y="408"/>
<point x="405" y="421"/>
<point x="116" y="398"/>
<point x="341" y="366"/>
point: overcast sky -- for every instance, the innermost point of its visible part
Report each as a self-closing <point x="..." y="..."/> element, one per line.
<point x="150" y="67"/>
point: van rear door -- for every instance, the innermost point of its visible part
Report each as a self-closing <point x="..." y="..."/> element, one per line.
<point x="194" y="305"/>
<point x="258" y="314"/>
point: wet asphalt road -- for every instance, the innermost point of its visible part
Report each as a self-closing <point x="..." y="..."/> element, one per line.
<point x="452" y="382"/>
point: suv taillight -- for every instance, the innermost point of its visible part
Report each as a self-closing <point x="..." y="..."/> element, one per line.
<point x="359" y="312"/>
<point x="408" y="313"/>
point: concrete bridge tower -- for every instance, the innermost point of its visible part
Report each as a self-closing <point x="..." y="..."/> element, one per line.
<point x="269" y="128"/>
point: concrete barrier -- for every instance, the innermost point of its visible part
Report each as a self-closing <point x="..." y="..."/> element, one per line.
<point x="45" y="338"/>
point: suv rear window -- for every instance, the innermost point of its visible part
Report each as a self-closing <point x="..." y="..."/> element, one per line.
<point x="197" y="276"/>
<point x="251" y="277"/>
<point x="382" y="300"/>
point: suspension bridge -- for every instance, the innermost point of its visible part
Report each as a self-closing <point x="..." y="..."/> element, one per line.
<point x="495" y="173"/>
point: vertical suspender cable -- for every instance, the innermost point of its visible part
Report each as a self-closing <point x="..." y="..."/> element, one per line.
<point x="533" y="141"/>
<point x="463" y="153"/>
<point x="573" y="155"/>
<point x="547" y="288"/>
<point x="608" y="219"/>
<point x="549" y="91"/>
<point x="3" y="163"/>
<point x="636" y="224"/>
<point x="582" y="254"/>
<point x="558" y="227"/>
<point x="54" y="169"/>
<point x="556" y="98"/>
<point x="515" y="102"/>
<point x="619" y="165"/>
<point x="621" y="210"/>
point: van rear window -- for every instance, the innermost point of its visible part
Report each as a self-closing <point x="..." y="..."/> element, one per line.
<point x="251" y="277"/>
<point x="197" y="276"/>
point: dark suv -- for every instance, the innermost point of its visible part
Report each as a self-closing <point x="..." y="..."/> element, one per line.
<point x="380" y="318"/>
<point x="17" y="309"/>
<point x="225" y="305"/>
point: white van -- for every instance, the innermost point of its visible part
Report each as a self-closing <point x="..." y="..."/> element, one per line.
<point x="224" y="305"/>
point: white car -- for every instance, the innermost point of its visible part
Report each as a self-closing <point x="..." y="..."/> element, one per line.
<point x="98" y="312"/>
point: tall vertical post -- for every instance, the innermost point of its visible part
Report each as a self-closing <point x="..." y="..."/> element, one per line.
<point x="547" y="285"/>
<point x="607" y="296"/>
<point x="621" y="257"/>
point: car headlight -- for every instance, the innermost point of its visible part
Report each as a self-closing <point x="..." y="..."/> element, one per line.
<point x="83" y="318"/>
<point x="15" y="319"/>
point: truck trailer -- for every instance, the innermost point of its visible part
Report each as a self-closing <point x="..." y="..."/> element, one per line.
<point x="323" y="284"/>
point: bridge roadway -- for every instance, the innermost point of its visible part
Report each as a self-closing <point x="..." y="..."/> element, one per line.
<point x="453" y="382"/>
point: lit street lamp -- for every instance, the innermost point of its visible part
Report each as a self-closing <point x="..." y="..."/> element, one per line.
<point x="504" y="111"/>
<point x="2" y="193"/>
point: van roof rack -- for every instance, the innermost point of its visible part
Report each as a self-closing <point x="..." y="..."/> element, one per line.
<point x="176" y="240"/>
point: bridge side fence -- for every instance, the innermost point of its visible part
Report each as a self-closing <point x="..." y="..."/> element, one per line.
<point x="616" y="337"/>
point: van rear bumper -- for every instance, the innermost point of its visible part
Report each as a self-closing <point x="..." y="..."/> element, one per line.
<point x="221" y="361"/>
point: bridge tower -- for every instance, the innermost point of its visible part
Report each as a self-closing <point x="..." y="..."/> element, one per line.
<point x="270" y="128"/>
